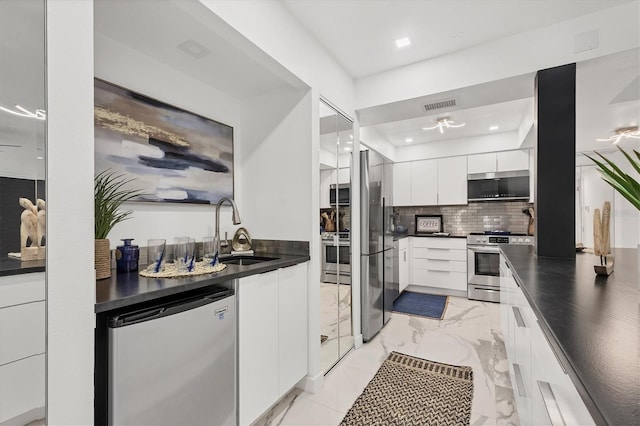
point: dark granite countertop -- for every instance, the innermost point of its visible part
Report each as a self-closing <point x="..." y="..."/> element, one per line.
<point x="592" y="323"/>
<point x="10" y="266"/>
<point x="401" y="236"/>
<point x="126" y="289"/>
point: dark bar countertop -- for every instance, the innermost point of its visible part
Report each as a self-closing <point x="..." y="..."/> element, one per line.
<point x="10" y="266"/>
<point x="401" y="236"/>
<point x="126" y="289"/>
<point x="592" y="323"/>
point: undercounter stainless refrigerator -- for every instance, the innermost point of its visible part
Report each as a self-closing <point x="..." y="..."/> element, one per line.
<point x="379" y="288"/>
<point x="174" y="363"/>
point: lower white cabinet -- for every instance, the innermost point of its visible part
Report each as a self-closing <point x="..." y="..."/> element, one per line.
<point x="22" y="348"/>
<point x="272" y="338"/>
<point x="22" y="390"/>
<point x="544" y="393"/>
<point x="439" y="262"/>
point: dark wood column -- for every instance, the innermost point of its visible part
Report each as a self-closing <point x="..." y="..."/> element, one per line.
<point x="555" y="162"/>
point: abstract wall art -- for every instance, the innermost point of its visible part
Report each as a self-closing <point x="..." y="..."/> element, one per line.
<point x="172" y="154"/>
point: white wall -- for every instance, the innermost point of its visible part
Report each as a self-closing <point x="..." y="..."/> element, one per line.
<point x="275" y="157"/>
<point x="511" y="56"/>
<point x="70" y="264"/>
<point x="121" y="65"/>
<point x="464" y="146"/>
<point x="371" y="137"/>
<point x="271" y="27"/>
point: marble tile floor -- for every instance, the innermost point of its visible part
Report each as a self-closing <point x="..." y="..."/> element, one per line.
<point x="469" y="334"/>
<point x="335" y="320"/>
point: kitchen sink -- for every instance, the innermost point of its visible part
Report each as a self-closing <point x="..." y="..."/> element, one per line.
<point x="246" y="260"/>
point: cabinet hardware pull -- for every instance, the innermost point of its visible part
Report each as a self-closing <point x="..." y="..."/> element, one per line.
<point x="553" y="409"/>
<point x="405" y="256"/>
<point x="519" y="381"/>
<point x="518" y="315"/>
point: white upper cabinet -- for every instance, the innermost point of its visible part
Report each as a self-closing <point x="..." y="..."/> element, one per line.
<point x="512" y="160"/>
<point x="452" y="180"/>
<point x="503" y="161"/>
<point x="424" y="182"/>
<point x="344" y="175"/>
<point x="402" y="184"/>
<point x="430" y="182"/>
<point x="481" y="163"/>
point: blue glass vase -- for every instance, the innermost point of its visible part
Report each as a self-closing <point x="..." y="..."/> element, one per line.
<point x="127" y="256"/>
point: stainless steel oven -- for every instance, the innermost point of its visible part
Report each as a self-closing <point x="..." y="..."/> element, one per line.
<point x="336" y="259"/>
<point x="483" y="260"/>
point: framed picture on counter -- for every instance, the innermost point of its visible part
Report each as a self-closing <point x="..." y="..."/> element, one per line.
<point x="428" y="224"/>
<point x="173" y="155"/>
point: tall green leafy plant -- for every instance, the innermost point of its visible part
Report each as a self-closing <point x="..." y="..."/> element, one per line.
<point x="627" y="186"/>
<point x="109" y="195"/>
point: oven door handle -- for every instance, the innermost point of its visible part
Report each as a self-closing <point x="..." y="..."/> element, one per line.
<point x="488" y="249"/>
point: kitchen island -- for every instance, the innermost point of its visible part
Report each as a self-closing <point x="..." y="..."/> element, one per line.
<point x="592" y="324"/>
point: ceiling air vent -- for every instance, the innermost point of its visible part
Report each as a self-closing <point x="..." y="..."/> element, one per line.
<point x="439" y="105"/>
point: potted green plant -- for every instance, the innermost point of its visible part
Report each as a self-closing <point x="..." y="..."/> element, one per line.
<point x="109" y="194"/>
<point x="626" y="186"/>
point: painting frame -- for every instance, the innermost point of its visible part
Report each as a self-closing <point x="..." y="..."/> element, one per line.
<point x="428" y="224"/>
<point x="172" y="154"/>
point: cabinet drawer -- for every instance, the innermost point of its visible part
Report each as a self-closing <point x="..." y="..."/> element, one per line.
<point x="443" y="279"/>
<point x="21" y="331"/>
<point x="554" y="395"/>
<point x="441" y="265"/>
<point x="26" y="391"/>
<point x="439" y="254"/>
<point x="439" y="242"/>
<point x="18" y="289"/>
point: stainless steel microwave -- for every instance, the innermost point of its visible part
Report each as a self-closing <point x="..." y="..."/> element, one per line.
<point x="512" y="185"/>
<point x="343" y="197"/>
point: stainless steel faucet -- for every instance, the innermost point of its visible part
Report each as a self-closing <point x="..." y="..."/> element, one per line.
<point x="236" y="218"/>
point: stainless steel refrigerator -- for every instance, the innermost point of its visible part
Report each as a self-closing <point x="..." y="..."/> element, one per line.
<point x="379" y="288"/>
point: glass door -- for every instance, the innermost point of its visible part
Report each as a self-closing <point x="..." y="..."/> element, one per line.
<point x="336" y="140"/>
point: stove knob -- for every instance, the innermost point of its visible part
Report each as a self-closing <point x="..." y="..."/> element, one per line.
<point x="520" y="240"/>
<point x="484" y="240"/>
<point x="478" y="240"/>
<point x="527" y="240"/>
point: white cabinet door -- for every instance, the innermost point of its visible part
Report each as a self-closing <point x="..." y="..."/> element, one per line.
<point x="404" y="268"/>
<point x="452" y="180"/>
<point x="481" y="163"/>
<point x="26" y="390"/>
<point x="325" y="181"/>
<point x="344" y="175"/>
<point x="424" y="183"/>
<point x="292" y="319"/>
<point x="402" y="184"/>
<point x="21" y="331"/>
<point x="513" y="160"/>
<point x="258" y="361"/>
<point x="17" y="289"/>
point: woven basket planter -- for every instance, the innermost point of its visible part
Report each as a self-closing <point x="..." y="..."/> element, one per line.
<point x="102" y="259"/>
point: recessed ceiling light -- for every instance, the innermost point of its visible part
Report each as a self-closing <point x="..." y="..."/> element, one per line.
<point x="39" y="158"/>
<point x="403" y="42"/>
<point x="493" y="128"/>
<point x="348" y="148"/>
<point x="194" y="49"/>
<point x="408" y="140"/>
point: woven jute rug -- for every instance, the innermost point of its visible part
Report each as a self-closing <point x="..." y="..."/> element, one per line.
<point x="413" y="391"/>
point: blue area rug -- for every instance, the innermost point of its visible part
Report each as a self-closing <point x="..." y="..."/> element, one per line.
<point x="424" y="305"/>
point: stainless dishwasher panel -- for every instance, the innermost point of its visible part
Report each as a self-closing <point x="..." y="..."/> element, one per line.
<point x="174" y="364"/>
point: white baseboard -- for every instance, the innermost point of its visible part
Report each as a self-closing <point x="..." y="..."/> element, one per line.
<point x="311" y="384"/>
<point x="358" y="341"/>
<point x="27" y="417"/>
